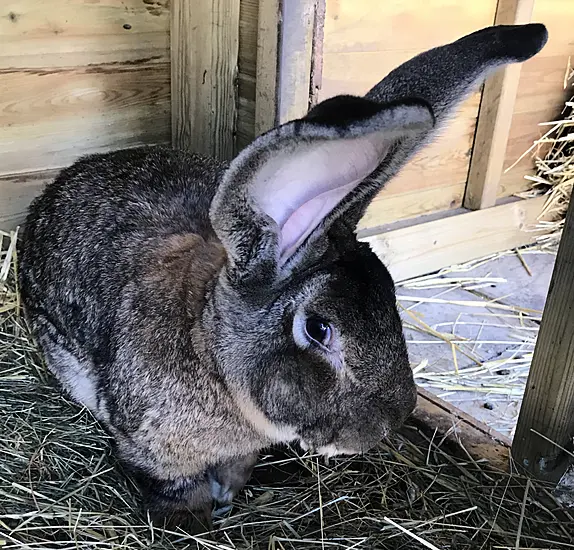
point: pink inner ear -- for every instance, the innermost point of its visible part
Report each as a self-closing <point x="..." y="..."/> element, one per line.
<point x="299" y="187"/>
<point x="303" y="220"/>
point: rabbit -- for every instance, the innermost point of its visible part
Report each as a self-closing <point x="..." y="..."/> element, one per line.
<point x="204" y="311"/>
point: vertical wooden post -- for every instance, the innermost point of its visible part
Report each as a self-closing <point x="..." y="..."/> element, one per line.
<point x="548" y="405"/>
<point x="301" y="37"/>
<point x="266" y="84"/>
<point x="495" y="117"/>
<point x="204" y="57"/>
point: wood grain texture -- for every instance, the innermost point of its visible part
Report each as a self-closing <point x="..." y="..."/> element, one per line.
<point x="296" y="53"/>
<point x="423" y="248"/>
<point x="495" y="118"/>
<point x="69" y="33"/>
<point x="16" y="192"/>
<point x="388" y="208"/>
<point x="248" y="31"/>
<point x="204" y="58"/>
<point x="443" y="421"/>
<point x="364" y="41"/>
<point x="49" y="117"/>
<point x="548" y="404"/>
<point x="247" y="72"/>
<point x="267" y="78"/>
<point x="541" y="94"/>
<point x="245" y="123"/>
<point x="396" y="25"/>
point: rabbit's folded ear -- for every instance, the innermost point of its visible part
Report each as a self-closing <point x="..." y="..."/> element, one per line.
<point x="283" y="186"/>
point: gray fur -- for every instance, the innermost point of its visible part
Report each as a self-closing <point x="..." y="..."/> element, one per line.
<point x="156" y="286"/>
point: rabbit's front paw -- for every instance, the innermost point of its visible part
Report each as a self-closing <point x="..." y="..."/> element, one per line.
<point x="229" y="478"/>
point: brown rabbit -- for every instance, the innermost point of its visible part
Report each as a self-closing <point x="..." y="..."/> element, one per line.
<point x="205" y="311"/>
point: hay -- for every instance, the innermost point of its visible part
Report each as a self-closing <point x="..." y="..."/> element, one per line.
<point x="500" y="381"/>
<point x="60" y="487"/>
<point x="554" y="176"/>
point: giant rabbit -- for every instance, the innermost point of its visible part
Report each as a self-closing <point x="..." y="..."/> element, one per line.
<point x="204" y="311"/>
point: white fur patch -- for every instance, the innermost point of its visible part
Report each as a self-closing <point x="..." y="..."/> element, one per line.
<point x="77" y="380"/>
<point x="332" y="450"/>
<point x="275" y="432"/>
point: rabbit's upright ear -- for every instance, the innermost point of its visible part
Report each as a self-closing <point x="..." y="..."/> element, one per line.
<point x="443" y="77"/>
<point x="281" y="188"/>
<point x="291" y="184"/>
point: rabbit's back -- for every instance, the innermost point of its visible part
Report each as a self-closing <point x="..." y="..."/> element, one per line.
<point x="90" y="234"/>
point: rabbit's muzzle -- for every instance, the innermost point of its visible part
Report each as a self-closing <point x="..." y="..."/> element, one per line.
<point x="365" y="425"/>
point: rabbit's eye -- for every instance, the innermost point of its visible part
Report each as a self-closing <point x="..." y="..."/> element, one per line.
<point x="318" y="330"/>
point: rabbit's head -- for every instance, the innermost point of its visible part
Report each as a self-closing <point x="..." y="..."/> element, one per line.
<point x="303" y="318"/>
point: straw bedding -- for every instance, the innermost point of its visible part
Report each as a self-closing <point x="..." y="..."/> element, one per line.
<point x="501" y="380"/>
<point x="554" y="160"/>
<point x="60" y="487"/>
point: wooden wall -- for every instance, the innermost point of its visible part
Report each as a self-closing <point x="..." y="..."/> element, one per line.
<point x="365" y="39"/>
<point x="77" y="77"/>
<point x="83" y="76"/>
<point x="541" y="92"/>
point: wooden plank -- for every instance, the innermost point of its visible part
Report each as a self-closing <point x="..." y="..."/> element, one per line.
<point x="248" y="30"/>
<point x="317" y="53"/>
<point x="204" y="57"/>
<point x="267" y="79"/>
<point x="463" y="432"/>
<point x="16" y="192"/>
<point x="247" y="71"/>
<point x="426" y="247"/>
<point x="548" y="404"/>
<point x="245" y="122"/>
<point x="394" y="26"/>
<point x="49" y="117"/>
<point x="69" y="33"/>
<point x="388" y="208"/>
<point x="541" y="93"/>
<point x="295" y="58"/>
<point x="495" y="118"/>
<point x="510" y="187"/>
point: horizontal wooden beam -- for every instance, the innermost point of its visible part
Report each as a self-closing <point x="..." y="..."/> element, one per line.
<point x="16" y="193"/>
<point x="422" y="248"/>
<point x="544" y="440"/>
<point x="495" y="117"/>
<point x="51" y="116"/>
<point x="437" y="417"/>
<point x="63" y="33"/>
